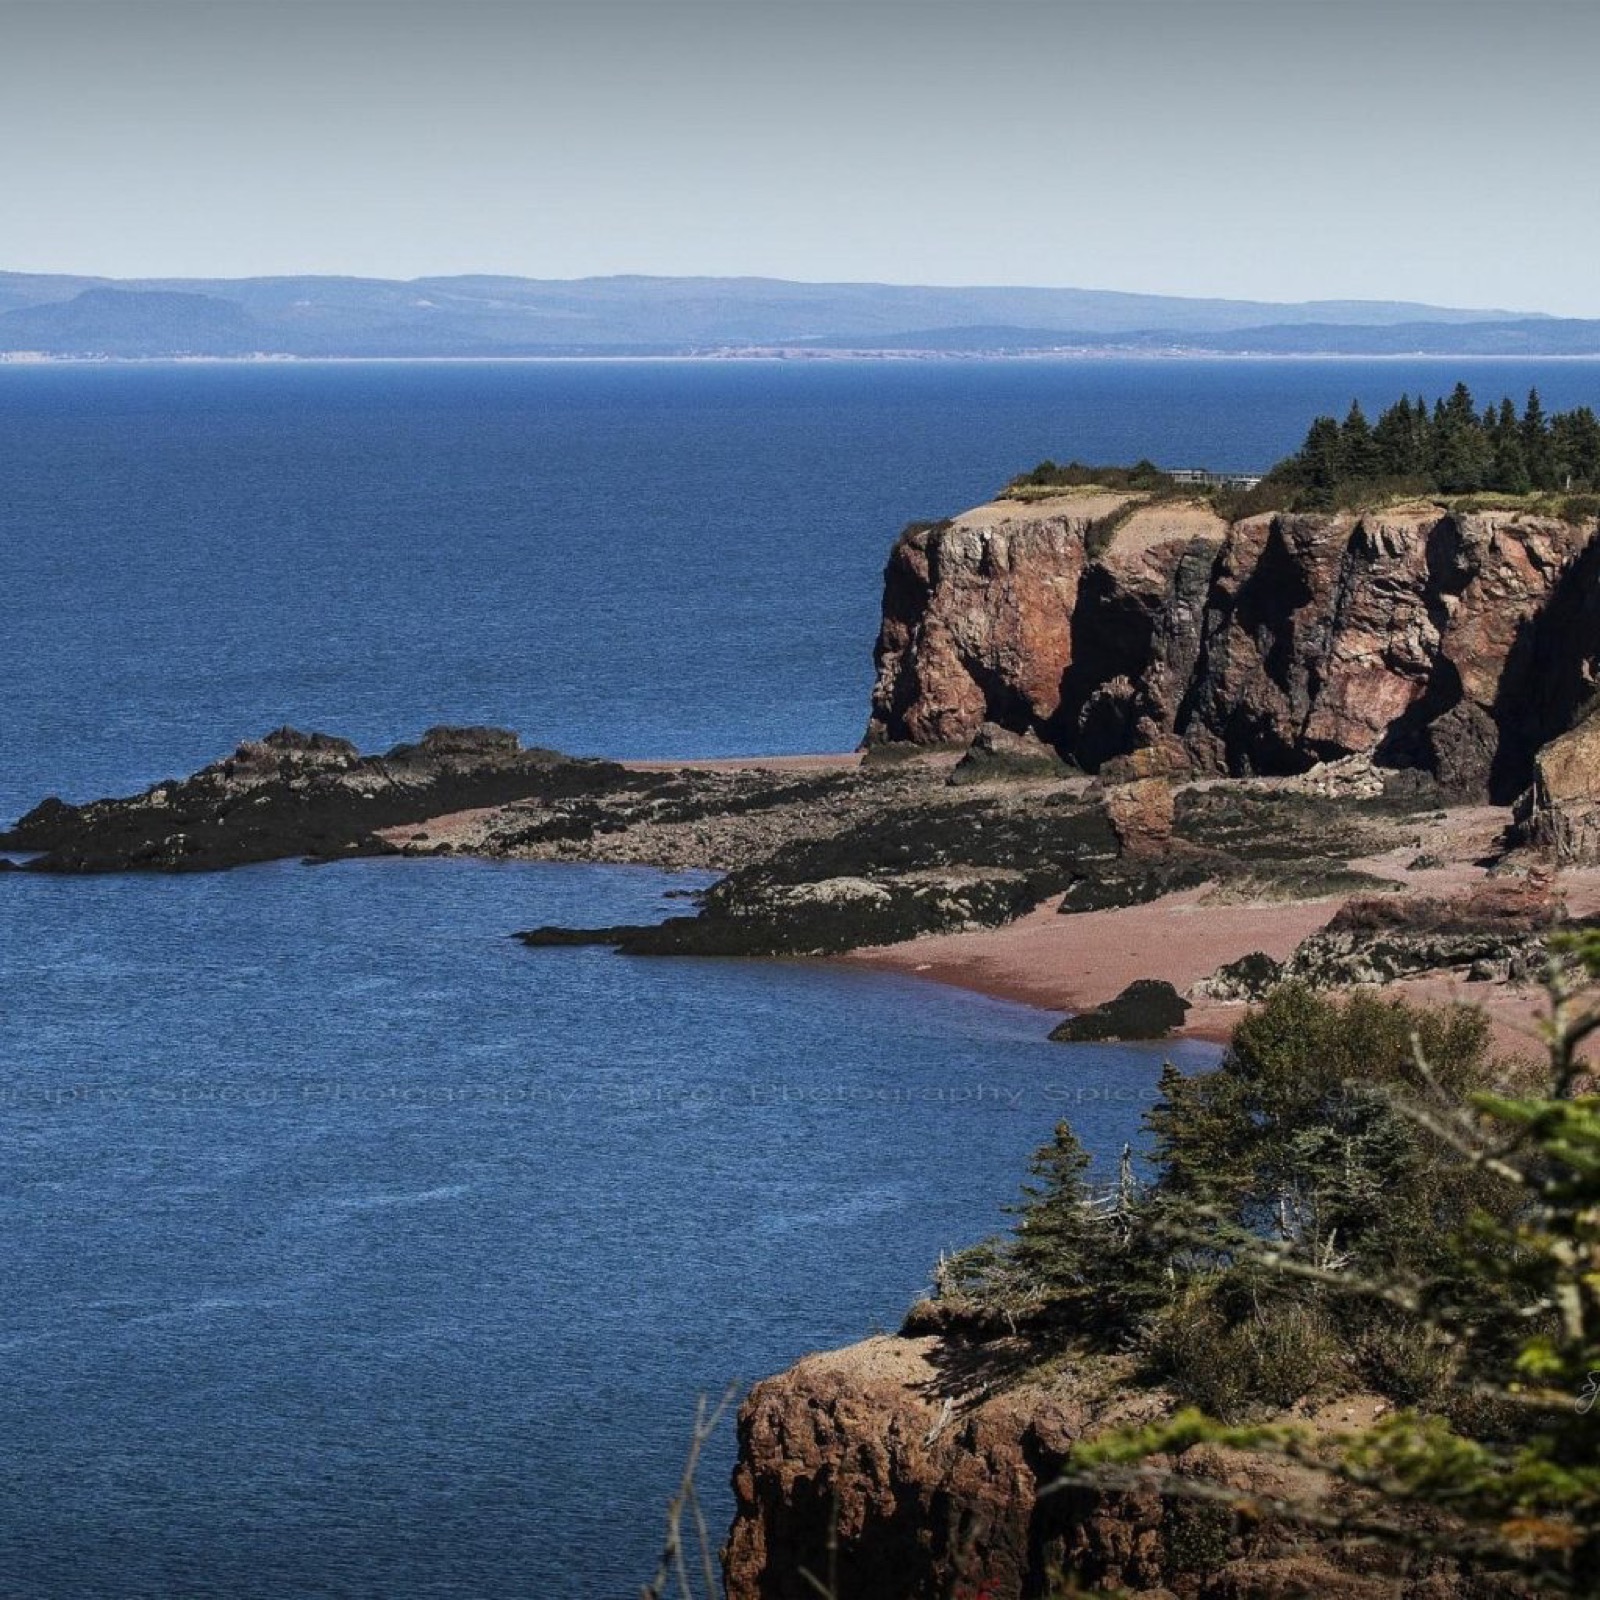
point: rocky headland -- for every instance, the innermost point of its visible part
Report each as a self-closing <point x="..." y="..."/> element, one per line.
<point x="1112" y="739"/>
<point x="1200" y="672"/>
<point x="934" y="1466"/>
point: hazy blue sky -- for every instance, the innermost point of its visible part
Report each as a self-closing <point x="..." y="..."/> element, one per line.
<point x="1284" y="149"/>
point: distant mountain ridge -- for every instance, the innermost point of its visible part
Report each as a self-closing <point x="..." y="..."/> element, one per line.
<point x="68" y="316"/>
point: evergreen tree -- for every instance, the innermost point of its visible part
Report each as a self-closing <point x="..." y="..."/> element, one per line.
<point x="1463" y="457"/>
<point x="1359" y="456"/>
<point x="1510" y="474"/>
<point x="1575" y="449"/>
<point x="1401" y="440"/>
<point x="1536" y="444"/>
<point x="1298" y="1134"/>
<point x="1460" y="411"/>
<point x="1059" y="1242"/>
<point x="1321" y="464"/>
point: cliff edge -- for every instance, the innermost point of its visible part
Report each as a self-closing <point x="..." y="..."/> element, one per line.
<point x="1454" y="641"/>
<point x="932" y="1468"/>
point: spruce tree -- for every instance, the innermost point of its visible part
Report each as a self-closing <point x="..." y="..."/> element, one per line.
<point x="1400" y="441"/>
<point x="1575" y="449"/>
<point x="1511" y="474"/>
<point x="1536" y="444"/>
<point x="1359" y="457"/>
<point x="1322" y="459"/>
<point x="1463" y="458"/>
<point x="1058" y="1242"/>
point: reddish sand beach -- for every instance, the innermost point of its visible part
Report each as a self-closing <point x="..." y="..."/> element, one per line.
<point x="1069" y="963"/>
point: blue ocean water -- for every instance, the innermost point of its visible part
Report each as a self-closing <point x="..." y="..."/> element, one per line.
<point x="351" y="1249"/>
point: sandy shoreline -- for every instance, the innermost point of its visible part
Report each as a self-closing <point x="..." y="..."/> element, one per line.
<point x="1068" y="963"/>
<point x="823" y="761"/>
<point x="1064" y="964"/>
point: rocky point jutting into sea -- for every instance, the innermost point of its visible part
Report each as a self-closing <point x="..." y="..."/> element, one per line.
<point x="1350" y="746"/>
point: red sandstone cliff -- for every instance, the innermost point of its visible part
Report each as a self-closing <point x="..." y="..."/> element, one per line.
<point x="930" y="1462"/>
<point x="1458" y="643"/>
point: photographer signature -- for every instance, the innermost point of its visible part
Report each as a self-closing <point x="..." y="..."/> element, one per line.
<point x="1587" y="1396"/>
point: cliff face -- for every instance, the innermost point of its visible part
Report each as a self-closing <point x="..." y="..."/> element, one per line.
<point x="977" y="622"/>
<point x="930" y="1465"/>
<point x="1458" y="643"/>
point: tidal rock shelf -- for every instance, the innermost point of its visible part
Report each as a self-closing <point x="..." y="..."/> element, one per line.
<point x="295" y="794"/>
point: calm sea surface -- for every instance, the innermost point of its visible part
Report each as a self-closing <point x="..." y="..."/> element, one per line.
<point x="350" y="1249"/>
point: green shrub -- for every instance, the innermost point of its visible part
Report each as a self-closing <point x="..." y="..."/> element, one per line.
<point x="1143" y="475"/>
<point x="1493" y="1464"/>
<point x="1402" y="1358"/>
<point x="1238" y="1364"/>
<point x="1296" y="1142"/>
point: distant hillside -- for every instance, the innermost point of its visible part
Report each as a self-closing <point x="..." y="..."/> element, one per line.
<point x="489" y="316"/>
<point x="116" y="322"/>
<point x="1527" y="336"/>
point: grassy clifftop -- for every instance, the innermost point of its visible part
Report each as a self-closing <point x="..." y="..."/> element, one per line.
<point x="1466" y="458"/>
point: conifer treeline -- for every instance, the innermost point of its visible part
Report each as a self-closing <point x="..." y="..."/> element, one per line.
<point x="1452" y="449"/>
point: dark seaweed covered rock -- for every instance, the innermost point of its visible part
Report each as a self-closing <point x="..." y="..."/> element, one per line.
<point x="296" y="794"/>
<point x="882" y="879"/>
<point x="998" y="753"/>
<point x="1137" y="885"/>
<point x="1149" y="1008"/>
<point x="1248" y="978"/>
<point x="939" y="861"/>
<point x="825" y="917"/>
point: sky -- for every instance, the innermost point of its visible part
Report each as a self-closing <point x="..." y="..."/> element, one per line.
<point x="1437" y="150"/>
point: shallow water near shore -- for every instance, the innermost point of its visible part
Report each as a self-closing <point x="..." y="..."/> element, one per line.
<point x="353" y="1249"/>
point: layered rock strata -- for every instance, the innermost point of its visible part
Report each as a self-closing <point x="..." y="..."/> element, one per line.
<point x="1456" y="642"/>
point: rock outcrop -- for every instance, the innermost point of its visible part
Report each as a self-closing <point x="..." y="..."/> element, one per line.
<point x="1149" y="1008"/>
<point x="1496" y="932"/>
<point x="930" y="1465"/>
<point x="1455" y="642"/>
<point x="977" y="620"/>
<point x="952" y="857"/>
<point x="294" y="793"/>
<point x="1142" y="815"/>
<point x="1560" y="811"/>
